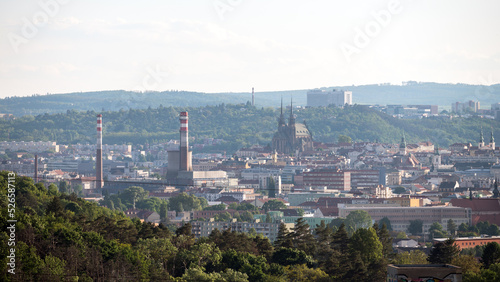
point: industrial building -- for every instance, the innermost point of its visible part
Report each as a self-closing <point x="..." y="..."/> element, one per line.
<point x="180" y="168"/>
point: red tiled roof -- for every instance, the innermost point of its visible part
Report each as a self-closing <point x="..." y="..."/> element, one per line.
<point x="478" y="204"/>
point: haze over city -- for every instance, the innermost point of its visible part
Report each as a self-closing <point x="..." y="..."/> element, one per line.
<point x="230" y="46"/>
<point x="232" y="140"/>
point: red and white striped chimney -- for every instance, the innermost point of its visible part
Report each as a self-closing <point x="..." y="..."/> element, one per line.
<point x="184" y="164"/>
<point x="98" y="165"/>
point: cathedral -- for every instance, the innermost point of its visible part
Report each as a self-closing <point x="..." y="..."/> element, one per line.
<point x="293" y="137"/>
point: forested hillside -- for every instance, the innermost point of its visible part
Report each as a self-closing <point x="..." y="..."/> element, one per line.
<point x="411" y="93"/>
<point x="55" y="236"/>
<point x="240" y="125"/>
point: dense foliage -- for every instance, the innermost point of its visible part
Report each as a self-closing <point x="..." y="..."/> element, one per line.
<point x="62" y="237"/>
<point x="239" y="126"/>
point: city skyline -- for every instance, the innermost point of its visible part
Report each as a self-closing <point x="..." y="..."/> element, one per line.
<point x="232" y="46"/>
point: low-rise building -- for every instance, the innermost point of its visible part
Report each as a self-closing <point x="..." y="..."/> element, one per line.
<point x="400" y="217"/>
<point x="471" y="242"/>
<point x="423" y="272"/>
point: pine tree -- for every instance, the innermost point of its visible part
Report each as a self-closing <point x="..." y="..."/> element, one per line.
<point x="491" y="254"/>
<point x="443" y="252"/>
<point x="323" y="234"/>
<point x="283" y="239"/>
<point x="340" y="240"/>
<point x="386" y="240"/>
<point x="451" y="227"/>
<point x="302" y="238"/>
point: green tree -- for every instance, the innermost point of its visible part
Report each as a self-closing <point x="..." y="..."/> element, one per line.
<point x="223" y="217"/>
<point x="491" y="254"/>
<point x="358" y="219"/>
<point x="53" y="190"/>
<point x="467" y="263"/>
<point x="451" y="227"/>
<point x="290" y="256"/>
<point x="416" y="227"/>
<point x="385" y="220"/>
<point x="64" y="187"/>
<point x="443" y="252"/>
<point x="163" y="211"/>
<point x="344" y="139"/>
<point x="302" y="238"/>
<point x="273" y="205"/>
<point x="219" y="207"/>
<point x="436" y="231"/>
<point x="132" y="195"/>
<point x="303" y="273"/>
<point x="386" y="240"/>
<point x="283" y="238"/>
<point x="187" y="202"/>
<point x="366" y="242"/>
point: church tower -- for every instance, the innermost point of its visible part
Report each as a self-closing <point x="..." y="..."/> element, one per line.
<point x="291" y="120"/>
<point x="402" y="145"/>
<point x="436" y="159"/>
<point x="281" y="121"/>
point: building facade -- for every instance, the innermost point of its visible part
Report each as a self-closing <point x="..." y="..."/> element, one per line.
<point x="329" y="178"/>
<point x="322" y="98"/>
<point x="400" y="216"/>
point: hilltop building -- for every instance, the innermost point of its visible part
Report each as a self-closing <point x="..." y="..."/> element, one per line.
<point x="470" y="106"/>
<point x="322" y="98"/>
<point x="292" y="137"/>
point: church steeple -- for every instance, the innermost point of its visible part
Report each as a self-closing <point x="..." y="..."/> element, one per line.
<point x="281" y="121"/>
<point x="291" y="121"/>
<point x="402" y="145"/>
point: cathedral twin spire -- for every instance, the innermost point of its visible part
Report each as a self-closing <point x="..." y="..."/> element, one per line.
<point x="291" y="120"/>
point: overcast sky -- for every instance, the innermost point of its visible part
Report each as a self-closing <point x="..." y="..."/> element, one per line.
<point x="234" y="45"/>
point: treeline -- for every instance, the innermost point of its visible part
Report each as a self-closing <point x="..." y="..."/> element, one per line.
<point x="239" y="126"/>
<point x="62" y="237"/>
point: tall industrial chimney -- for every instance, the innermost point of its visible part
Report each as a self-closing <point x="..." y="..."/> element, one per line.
<point x="185" y="160"/>
<point x="36" y="168"/>
<point x="253" y="98"/>
<point x="98" y="165"/>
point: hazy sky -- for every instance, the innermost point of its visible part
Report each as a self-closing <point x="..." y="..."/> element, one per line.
<point x="51" y="46"/>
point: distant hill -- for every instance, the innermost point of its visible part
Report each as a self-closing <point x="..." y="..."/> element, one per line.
<point x="382" y="94"/>
<point x="240" y="126"/>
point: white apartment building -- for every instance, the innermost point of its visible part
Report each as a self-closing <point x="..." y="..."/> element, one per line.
<point x="322" y="98"/>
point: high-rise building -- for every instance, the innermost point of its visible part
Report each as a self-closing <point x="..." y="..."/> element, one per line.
<point x="471" y="106"/>
<point x="323" y="98"/>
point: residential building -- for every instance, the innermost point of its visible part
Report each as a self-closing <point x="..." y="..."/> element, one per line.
<point x="400" y="216"/>
<point x="329" y="178"/>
